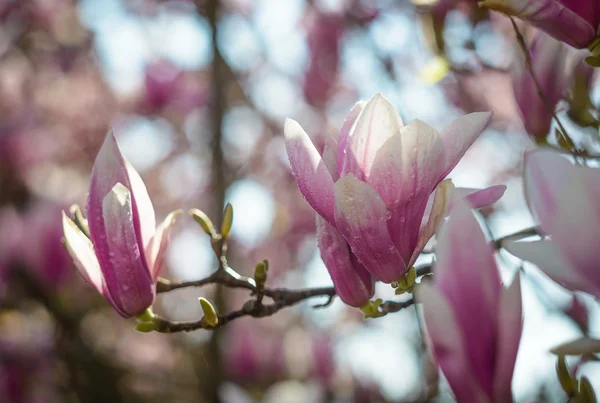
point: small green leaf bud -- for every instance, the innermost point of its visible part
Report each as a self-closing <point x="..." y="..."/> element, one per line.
<point x="227" y="222"/>
<point x="210" y="314"/>
<point x="205" y="222"/>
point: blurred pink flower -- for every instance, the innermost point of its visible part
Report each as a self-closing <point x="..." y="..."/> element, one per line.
<point x="42" y="250"/>
<point x="474" y="324"/>
<point x="125" y="254"/>
<point x="168" y="86"/>
<point x="252" y="354"/>
<point x="390" y="196"/>
<point x="324" y="38"/>
<point x="548" y="57"/>
<point x="565" y="200"/>
<point x="574" y="22"/>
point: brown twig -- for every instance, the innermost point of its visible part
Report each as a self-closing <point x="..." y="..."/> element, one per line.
<point x="498" y="243"/>
<point x="282" y="298"/>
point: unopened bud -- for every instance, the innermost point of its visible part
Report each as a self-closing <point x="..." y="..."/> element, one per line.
<point x="210" y="314"/>
<point x="260" y="273"/>
<point x="205" y="222"/>
<point x="227" y="221"/>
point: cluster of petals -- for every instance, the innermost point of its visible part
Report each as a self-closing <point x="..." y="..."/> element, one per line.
<point x="379" y="190"/>
<point x="125" y="250"/>
<point x="473" y="323"/>
<point x="565" y="200"/>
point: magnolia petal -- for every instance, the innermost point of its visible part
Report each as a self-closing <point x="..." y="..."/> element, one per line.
<point x="109" y="169"/>
<point x="581" y="346"/>
<point x="549" y="63"/>
<point x="447" y="343"/>
<point x="156" y="248"/>
<point x="81" y="250"/>
<point x="344" y="132"/>
<point x="145" y="209"/>
<point x="377" y="122"/>
<point x="551" y="17"/>
<point x="478" y="198"/>
<point x="548" y="258"/>
<point x="434" y="214"/>
<point x="567" y="208"/>
<point x="466" y="273"/>
<point x="329" y="157"/>
<point x="460" y="135"/>
<point x="352" y="282"/>
<point x="126" y="273"/>
<point x="405" y="173"/>
<point x="545" y="173"/>
<point x="510" y="327"/>
<point x="312" y="176"/>
<point x="361" y="216"/>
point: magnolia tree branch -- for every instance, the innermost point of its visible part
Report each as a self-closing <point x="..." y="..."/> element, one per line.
<point x="281" y="297"/>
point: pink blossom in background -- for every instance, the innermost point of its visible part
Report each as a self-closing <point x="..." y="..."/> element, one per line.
<point x="168" y="86"/>
<point x="574" y="22"/>
<point x="474" y="324"/>
<point x="565" y="200"/>
<point x="42" y="249"/>
<point x="125" y="254"/>
<point x="548" y="57"/>
<point x="324" y="36"/>
<point x="391" y="195"/>
<point x="253" y="354"/>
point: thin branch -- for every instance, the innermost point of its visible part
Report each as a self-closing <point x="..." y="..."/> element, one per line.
<point x="549" y="107"/>
<point x="253" y="308"/>
<point x="499" y="243"/>
<point x="281" y="297"/>
<point x="394" y="306"/>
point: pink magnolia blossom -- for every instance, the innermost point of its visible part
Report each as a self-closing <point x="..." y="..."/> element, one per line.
<point x="548" y="58"/>
<point x="381" y="186"/>
<point x="352" y="282"/>
<point x="574" y="22"/>
<point x="565" y="199"/>
<point x="124" y="256"/>
<point x="324" y="39"/>
<point x="474" y="324"/>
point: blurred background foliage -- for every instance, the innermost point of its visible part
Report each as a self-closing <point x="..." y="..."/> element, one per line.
<point x="197" y="93"/>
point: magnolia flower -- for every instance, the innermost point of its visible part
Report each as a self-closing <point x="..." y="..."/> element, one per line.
<point x="125" y="251"/>
<point x="565" y="199"/>
<point x="352" y="282"/>
<point x="574" y="22"/>
<point x="548" y="57"/>
<point x="474" y="324"/>
<point x="390" y="195"/>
